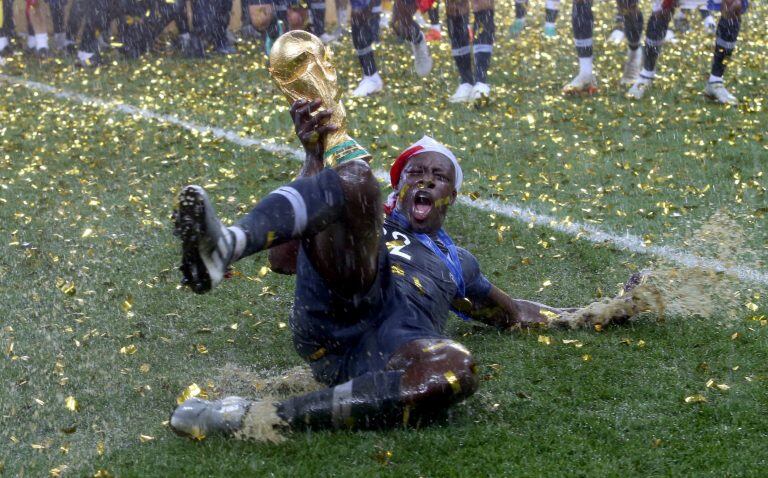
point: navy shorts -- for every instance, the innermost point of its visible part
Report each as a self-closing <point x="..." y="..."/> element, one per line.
<point x="342" y="338"/>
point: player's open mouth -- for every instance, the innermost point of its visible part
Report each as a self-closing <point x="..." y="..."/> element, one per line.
<point x="422" y="206"/>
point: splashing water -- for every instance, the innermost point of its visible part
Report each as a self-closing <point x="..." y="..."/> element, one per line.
<point x="669" y="290"/>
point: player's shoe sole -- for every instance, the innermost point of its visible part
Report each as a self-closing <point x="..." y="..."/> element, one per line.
<point x="589" y="90"/>
<point x="189" y="226"/>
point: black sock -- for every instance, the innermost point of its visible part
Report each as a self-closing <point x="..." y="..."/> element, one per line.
<point x="459" y="34"/>
<point x="371" y="400"/>
<point x="434" y="14"/>
<point x="654" y="38"/>
<point x="374" y="20"/>
<point x="618" y="22"/>
<point x="57" y="15"/>
<point x="317" y="8"/>
<point x="300" y="208"/>
<point x="485" y="30"/>
<point x="727" y="34"/>
<point x="520" y="8"/>
<point x="411" y="33"/>
<point x="582" y="20"/>
<point x="550" y="15"/>
<point x="633" y="26"/>
<point x="281" y="12"/>
<point x="704" y="14"/>
<point x="362" y="39"/>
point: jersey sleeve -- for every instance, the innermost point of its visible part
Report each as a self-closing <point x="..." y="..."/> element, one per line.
<point x="476" y="284"/>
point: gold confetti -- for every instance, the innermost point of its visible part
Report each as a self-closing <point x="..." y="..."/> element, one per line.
<point x="201" y="349"/>
<point x="698" y="398"/>
<point x="575" y="343"/>
<point x="71" y="404"/>
<point x="545" y="339"/>
<point x="191" y="391"/>
<point x="144" y="368"/>
<point x="263" y="271"/>
<point x="128" y="349"/>
<point x="586" y="357"/>
<point x="145" y="438"/>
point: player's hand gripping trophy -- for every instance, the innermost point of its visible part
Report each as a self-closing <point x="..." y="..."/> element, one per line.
<point x="301" y="67"/>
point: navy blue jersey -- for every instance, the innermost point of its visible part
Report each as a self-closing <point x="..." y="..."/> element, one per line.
<point x="344" y="337"/>
<point x="423" y="278"/>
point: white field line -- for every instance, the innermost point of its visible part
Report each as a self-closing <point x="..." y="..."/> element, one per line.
<point x="586" y="232"/>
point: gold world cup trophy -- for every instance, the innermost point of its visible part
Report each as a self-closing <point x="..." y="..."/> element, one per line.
<point x="301" y="67"/>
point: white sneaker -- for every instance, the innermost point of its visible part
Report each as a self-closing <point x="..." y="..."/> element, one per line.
<point x="669" y="37"/>
<point x="717" y="92"/>
<point x="463" y="94"/>
<point x="368" y="86"/>
<point x="481" y="91"/>
<point x="384" y="20"/>
<point x="616" y="36"/>
<point x="631" y="67"/>
<point x="422" y="60"/>
<point x="710" y="25"/>
<point x="581" y="85"/>
<point x="639" y="88"/>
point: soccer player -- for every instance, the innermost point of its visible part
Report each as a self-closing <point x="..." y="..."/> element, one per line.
<point x="727" y="33"/>
<point x="583" y="21"/>
<point x="370" y="303"/>
<point x="551" y="10"/>
<point x="473" y="83"/>
<point x="364" y="35"/>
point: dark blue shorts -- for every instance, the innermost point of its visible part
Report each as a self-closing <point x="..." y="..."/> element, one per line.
<point x="342" y="338"/>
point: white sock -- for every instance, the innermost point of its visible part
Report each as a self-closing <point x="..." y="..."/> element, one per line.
<point x="549" y="25"/>
<point x="3" y="43"/>
<point x="240" y="242"/>
<point x="41" y="41"/>
<point x="31" y="42"/>
<point x="585" y="66"/>
<point x="84" y="55"/>
<point x="646" y="76"/>
<point x="435" y="27"/>
<point x="715" y="79"/>
<point x="185" y="36"/>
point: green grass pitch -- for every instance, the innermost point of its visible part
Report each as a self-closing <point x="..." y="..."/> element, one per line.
<point x="92" y="309"/>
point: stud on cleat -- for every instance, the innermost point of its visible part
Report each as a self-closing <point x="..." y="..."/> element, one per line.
<point x="207" y="246"/>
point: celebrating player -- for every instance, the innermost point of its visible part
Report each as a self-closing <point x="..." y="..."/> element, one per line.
<point x="370" y="303"/>
<point x="727" y="33"/>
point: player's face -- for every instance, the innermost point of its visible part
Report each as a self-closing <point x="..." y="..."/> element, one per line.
<point x="427" y="189"/>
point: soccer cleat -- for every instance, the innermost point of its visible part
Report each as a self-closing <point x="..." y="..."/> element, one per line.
<point x="480" y="92"/>
<point x="419" y="19"/>
<point x="88" y="60"/>
<point x="550" y="31"/>
<point x="616" y="36"/>
<point x="433" y="35"/>
<point x="196" y="418"/>
<point x="207" y="246"/>
<point x="517" y="27"/>
<point x="369" y="85"/>
<point x="717" y="92"/>
<point x="670" y="37"/>
<point x="581" y="85"/>
<point x="463" y="94"/>
<point x="710" y="25"/>
<point x="422" y="60"/>
<point x="631" y="67"/>
<point x="637" y="91"/>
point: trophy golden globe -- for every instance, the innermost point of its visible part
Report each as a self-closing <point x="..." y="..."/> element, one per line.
<point x="301" y="67"/>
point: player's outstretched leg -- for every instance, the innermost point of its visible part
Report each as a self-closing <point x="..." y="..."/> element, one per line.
<point x="654" y="39"/>
<point x="422" y="379"/>
<point x="633" y="30"/>
<point x="583" y="21"/>
<point x="727" y="33"/>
